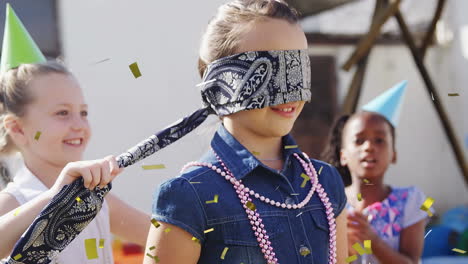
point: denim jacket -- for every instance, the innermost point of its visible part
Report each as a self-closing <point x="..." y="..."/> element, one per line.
<point x="185" y="202"/>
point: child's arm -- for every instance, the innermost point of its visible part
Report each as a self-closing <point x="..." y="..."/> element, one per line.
<point x="341" y="238"/>
<point x="13" y="223"/>
<point x="128" y="222"/>
<point x="411" y="241"/>
<point x="175" y="247"/>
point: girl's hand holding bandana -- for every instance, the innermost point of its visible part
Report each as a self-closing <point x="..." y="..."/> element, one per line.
<point x="95" y="173"/>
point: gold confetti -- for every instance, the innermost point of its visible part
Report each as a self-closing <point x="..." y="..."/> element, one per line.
<point x="151" y="248"/>
<point x="194" y="182"/>
<point x="17" y="257"/>
<point x="306" y="179"/>
<point x="38" y="134"/>
<point x="368" y="246"/>
<point x="453" y="94"/>
<point x="16" y="212"/>
<point x="224" y="252"/>
<point x="155" y="223"/>
<point x="153" y="167"/>
<point x="304" y="252"/>
<point x="359" y="249"/>
<point x="196" y="240"/>
<point x="427" y="204"/>
<point x="250" y="205"/>
<point x="320" y="170"/>
<point x="256" y="153"/>
<point x="208" y="230"/>
<point x="101" y="243"/>
<point x="290" y="147"/>
<point x="135" y="70"/>
<point x="215" y="200"/>
<point x="351" y="258"/>
<point x="78" y="199"/>
<point x="359" y="197"/>
<point x="156" y="259"/>
<point x="167" y="230"/>
<point x="91" y="250"/>
<point x="366" y="181"/>
<point x="461" y="251"/>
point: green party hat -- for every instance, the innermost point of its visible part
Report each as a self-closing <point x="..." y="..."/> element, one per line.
<point x="18" y="46"/>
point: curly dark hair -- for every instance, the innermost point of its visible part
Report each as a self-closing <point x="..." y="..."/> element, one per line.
<point x="332" y="151"/>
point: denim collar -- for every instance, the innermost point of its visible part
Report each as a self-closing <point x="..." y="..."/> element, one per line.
<point x="238" y="159"/>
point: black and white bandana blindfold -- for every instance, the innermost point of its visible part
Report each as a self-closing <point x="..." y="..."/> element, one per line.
<point x="245" y="81"/>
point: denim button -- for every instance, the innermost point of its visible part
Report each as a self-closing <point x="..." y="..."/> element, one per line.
<point x="304" y="251"/>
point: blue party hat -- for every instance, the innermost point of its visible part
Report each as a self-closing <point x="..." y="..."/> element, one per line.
<point x="389" y="103"/>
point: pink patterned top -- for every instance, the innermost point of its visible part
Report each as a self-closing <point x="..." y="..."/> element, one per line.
<point x="399" y="210"/>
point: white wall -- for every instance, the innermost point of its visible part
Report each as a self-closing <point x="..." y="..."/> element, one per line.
<point x="163" y="37"/>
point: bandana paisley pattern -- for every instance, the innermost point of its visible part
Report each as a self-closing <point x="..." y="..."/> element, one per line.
<point x="256" y="79"/>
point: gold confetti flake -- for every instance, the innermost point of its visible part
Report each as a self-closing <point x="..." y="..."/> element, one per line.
<point x="78" y="199"/>
<point x="155" y="258"/>
<point x="306" y="179"/>
<point x="359" y="197"/>
<point x="359" y="249"/>
<point x="461" y="251"/>
<point x="224" y="252"/>
<point x="427" y="205"/>
<point x="194" y="182"/>
<point x="250" y="205"/>
<point x="320" y="170"/>
<point x="16" y="212"/>
<point x="155" y="223"/>
<point x="135" y="70"/>
<point x="38" y="135"/>
<point x="17" y="257"/>
<point x="366" y="181"/>
<point x="91" y="250"/>
<point x="151" y="248"/>
<point x="255" y="153"/>
<point x="304" y="251"/>
<point x="153" y="167"/>
<point x="290" y="146"/>
<point x="208" y="230"/>
<point x="101" y="243"/>
<point x="167" y="230"/>
<point x="368" y="246"/>
<point x="351" y="258"/>
<point x="453" y="94"/>
<point x="215" y="200"/>
<point x="196" y="240"/>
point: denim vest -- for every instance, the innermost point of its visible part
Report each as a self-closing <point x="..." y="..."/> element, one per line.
<point x="187" y="202"/>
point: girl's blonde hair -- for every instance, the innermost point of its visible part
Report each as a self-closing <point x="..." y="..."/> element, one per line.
<point x="225" y="30"/>
<point x="15" y="94"/>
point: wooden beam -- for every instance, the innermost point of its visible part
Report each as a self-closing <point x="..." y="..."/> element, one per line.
<point x="432" y="92"/>
<point x="354" y="92"/>
<point x="429" y="37"/>
<point x="367" y="41"/>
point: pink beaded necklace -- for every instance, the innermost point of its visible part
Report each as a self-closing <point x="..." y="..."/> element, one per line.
<point x="244" y="194"/>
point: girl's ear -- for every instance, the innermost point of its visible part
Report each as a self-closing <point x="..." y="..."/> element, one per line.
<point x="14" y="129"/>
<point x="343" y="160"/>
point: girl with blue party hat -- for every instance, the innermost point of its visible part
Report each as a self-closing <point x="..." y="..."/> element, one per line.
<point x="43" y="116"/>
<point x="362" y="147"/>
